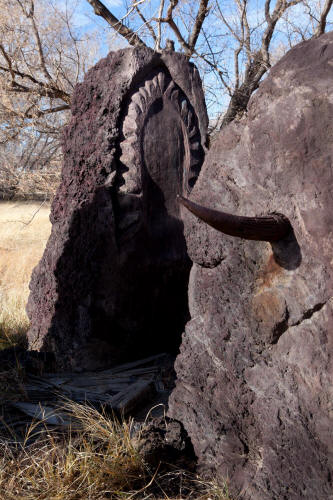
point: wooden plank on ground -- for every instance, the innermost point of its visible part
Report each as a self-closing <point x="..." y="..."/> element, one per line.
<point x="97" y="383"/>
<point x="134" y="364"/>
<point x="138" y="371"/>
<point x="135" y="395"/>
<point x="46" y="414"/>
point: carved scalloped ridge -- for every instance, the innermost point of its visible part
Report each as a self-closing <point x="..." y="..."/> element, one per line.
<point x="138" y="108"/>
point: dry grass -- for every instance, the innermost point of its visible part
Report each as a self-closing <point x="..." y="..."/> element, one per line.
<point x="99" y="462"/>
<point x="24" y="230"/>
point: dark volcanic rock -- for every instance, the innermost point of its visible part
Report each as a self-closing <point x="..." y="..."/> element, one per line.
<point x="112" y="283"/>
<point x="164" y="440"/>
<point x="255" y="372"/>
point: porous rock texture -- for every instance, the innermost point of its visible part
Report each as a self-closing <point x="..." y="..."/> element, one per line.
<point x="112" y="283"/>
<point x="255" y="369"/>
<point x="163" y="440"/>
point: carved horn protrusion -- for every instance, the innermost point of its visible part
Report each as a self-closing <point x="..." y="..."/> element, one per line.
<point x="271" y="227"/>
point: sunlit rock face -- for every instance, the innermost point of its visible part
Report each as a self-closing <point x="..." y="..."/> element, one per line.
<point x="112" y="284"/>
<point x="255" y="371"/>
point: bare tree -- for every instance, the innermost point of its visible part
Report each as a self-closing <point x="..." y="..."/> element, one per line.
<point x="42" y="57"/>
<point x="257" y="56"/>
<point x="231" y="42"/>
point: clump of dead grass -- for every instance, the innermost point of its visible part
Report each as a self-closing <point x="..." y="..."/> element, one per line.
<point x="14" y="322"/>
<point x="96" y="462"/>
<point x="24" y="230"/>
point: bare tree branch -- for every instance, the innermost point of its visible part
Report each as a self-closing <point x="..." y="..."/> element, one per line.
<point x="43" y="89"/>
<point x="102" y="11"/>
<point x="173" y="4"/>
<point x="30" y="16"/>
<point x="15" y="72"/>
<point x="38" y="113"/>
<point x="247" y="32"/>
<point x="170" y="21"/>
<point x="9" y="61"/>
<point x="228" y="25"/>
<point x="158" y="39"/>
<point x="267" y="11"/>
<point x="201" y="16"/>
<point x="323" y="18"/>
<point x="216" y="68"/>
<point x="258" y="62"/>
<point x="147" y="23"/>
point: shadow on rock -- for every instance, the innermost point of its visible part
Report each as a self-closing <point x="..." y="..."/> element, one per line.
<point x="287" y="252"/>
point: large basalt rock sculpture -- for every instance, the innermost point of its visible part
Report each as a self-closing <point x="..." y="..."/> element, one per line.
<point x="255" y="370"/>
<point x="112" y="283"/>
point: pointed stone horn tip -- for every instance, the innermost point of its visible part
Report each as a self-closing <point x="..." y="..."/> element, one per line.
<point x="271" y="228"/>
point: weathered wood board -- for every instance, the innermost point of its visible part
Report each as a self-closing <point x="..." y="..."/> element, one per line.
<point x="124" y="390"/>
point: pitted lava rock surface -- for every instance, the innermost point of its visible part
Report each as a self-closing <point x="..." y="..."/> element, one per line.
<point x="255" y="369"/>
<point x="165" y="441"/>
<point x="112" y="283"/>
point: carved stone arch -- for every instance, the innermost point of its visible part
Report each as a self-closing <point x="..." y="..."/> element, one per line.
<point x="160" y="154"/>
<point x="139" y="111"/>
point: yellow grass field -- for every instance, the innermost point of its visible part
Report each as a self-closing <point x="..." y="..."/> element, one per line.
<point x="24" y="231"/>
